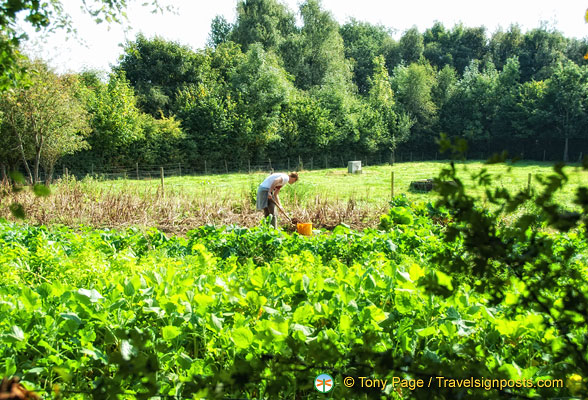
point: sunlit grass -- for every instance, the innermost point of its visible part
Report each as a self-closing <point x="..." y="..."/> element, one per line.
<point x="373" y="186"/>
<point x="324" y="197"/>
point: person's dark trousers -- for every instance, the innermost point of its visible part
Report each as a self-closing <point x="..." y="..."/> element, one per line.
<point x="271" y="210"/>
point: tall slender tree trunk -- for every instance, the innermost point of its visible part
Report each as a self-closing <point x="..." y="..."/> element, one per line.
<point x="4" y="176"/>
<point x="24" y="160"/>
<point x="49" y="177"/>
<point x="37" y="163"/>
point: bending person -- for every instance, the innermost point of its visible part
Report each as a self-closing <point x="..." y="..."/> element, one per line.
<point x="268" y="191"/>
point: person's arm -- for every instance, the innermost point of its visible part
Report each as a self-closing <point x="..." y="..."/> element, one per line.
<point x="276" y="188"/>
<point x="276" y="195"/>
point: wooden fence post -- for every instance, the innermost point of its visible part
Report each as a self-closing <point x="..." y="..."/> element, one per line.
<point x="248" y="166"/>
<point x="205" y="168"/>
<point x="137" y="170"/>
<point x="162" y="181"/>
<point x="180" y="168"/>
<point x="226" y="167"/>
<point x="392" y="184"/>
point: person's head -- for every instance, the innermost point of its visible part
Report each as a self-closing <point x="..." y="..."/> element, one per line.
<point x="293" y="177"/>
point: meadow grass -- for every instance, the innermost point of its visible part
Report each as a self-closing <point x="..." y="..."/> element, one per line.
<point x="325" y="197"/>
<point x="335" y="184"/>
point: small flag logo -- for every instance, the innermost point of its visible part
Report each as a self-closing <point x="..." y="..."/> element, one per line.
<point x="324" y="383"/>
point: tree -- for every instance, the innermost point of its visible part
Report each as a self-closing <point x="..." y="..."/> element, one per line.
<point x="157" y="69"/>
<point x="527" y="116"/>
<point x="381" y="97"/>
<point x="263" y="88"/>
<point x="363" y="43"/>
<point x="507" y="92"/>
<point x="413" y="86"/>
<point x="541" y="52"/>
<point x="438" y="46"/>
<point x="470" y="111"/>
<point x="44" y="120"/>
<point x="318" y="51"/>
<point x="161" y="142"/>
<point x="262" y="21"/>
<point x="220" y="31"/>
<point x="504" y="45"/>
<point x="443" y="90"/>
<point x="9" y="156"/>
<point x="115" y="120"/>
<point x="47" y="15"/>
<point x="566" y="102"/>
<point x="305" y="128"/>
<point x="468" y="44"/>
<point x="411" y="46"/>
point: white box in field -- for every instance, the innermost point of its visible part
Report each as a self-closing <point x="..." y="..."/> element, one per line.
<point x="354" y="167"/>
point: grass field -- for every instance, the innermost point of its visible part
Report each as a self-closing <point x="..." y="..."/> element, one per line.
<point x="373" y="186"/>
<point x="325" y="197"/>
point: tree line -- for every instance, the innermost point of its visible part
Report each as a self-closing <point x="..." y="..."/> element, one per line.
<point x="267" y="87"/>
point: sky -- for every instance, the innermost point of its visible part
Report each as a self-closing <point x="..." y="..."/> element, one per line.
<point x="99" y="46"/>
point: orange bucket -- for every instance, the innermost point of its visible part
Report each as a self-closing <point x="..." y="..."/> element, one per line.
<point x="304" y="229"/>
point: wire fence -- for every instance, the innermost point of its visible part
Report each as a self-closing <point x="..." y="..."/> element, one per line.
<point x="143" y="170"/>
<point x="208" y="167"/>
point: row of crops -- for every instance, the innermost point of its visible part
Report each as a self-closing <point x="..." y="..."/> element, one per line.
<point x="228" y="312"/>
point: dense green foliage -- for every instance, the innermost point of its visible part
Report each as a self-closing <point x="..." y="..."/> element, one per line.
<point x="260" y="313"/>
<point x="49" y="16"/>
<point x="267" y="88"/>
<point x="42" y="121"/>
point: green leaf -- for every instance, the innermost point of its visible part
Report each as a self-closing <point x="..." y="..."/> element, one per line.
<point x="92" y="295"/>
<point x="377" y="314"/>
<point x="341" y="229"/>
<point x="127" y="350"/>
<point x="426" y="331"/>
<point x="415" y="272"/>
<point x="306" y="331"/>
<point x="216" y="321"/>
<point x="36" y="371"/>
<point x="259" y="276"/>
<point x="129" y="289"/>
<point x="71" y="317"/>
<point x="170" y="332"/>
<point x="185" y="361"/>
<point x="444" y="280"/>
<point x="242" y="337"/>
<point x="17" y="333"/>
